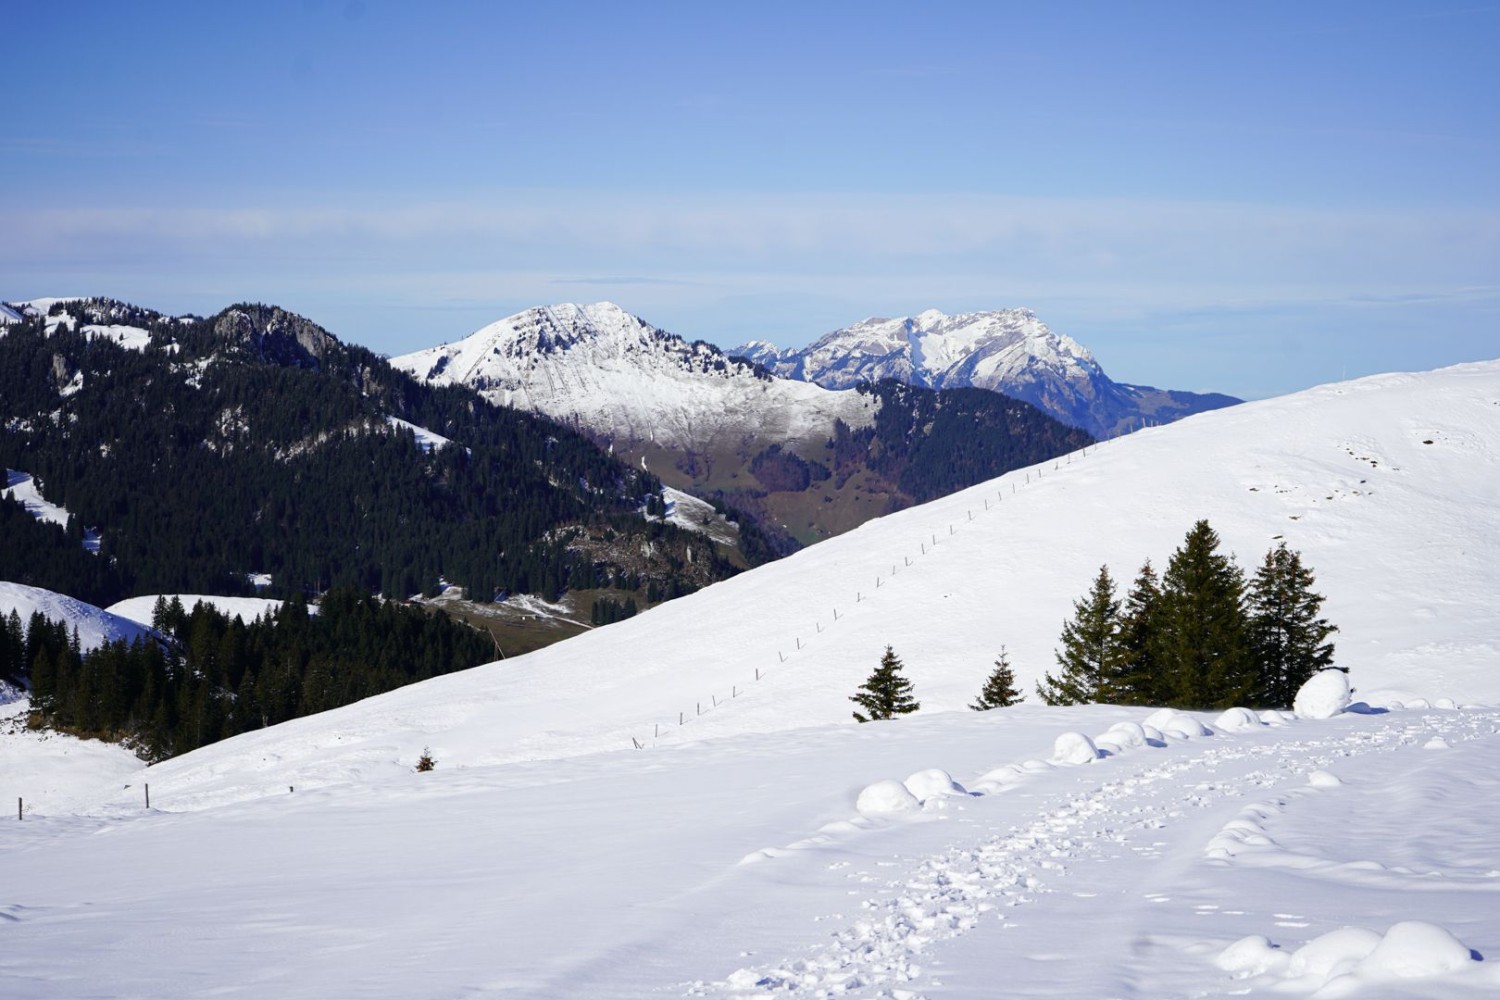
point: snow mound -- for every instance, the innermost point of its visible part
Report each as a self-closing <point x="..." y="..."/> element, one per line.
<point x="1238" y="720"/>
<point x="1325" y="695"/>
<point x="887" y="798"/>
<point x="1126" y="734"/>
<point x="932" y="783"/>
<point x="1074" y="748"/>
<point x="1352" y="959"/>
<point x="1333" y="954"/>
<point x="1175" y="722"/>
<point x="1323" y="779"/>
<point x="1436" y="743"/>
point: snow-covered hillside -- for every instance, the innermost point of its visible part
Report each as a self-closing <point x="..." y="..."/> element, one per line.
<point x="95" y="625"/>
<point x="1008" y="350"/>
<point x="1184" y="855"/>
<point x="597" y="366"/>
<point x="1386" y="485"/>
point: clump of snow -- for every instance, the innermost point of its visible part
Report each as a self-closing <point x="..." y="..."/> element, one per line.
<point x="1252" y="956"/>
<point x="1436" y="743"/>
<point x="1325" y="695"/>
<point x="999" y="779"/>
<point x="1175" y="722"/>
<point x="1446" y="703"/>
<point x="1238" y="720"/>
<point x="1126" y="734"/>
<point x="1323" y="779"/>
<point x="932" y="783"/>
<point x="1415" y="949"/>
<point x="1333" y="954"/>
<point x="887" y="798"/>
<point x="1351" y="959"/>
<point x="1074" y="748"/>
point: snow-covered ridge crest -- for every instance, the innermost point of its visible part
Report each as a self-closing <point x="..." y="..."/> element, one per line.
<point x="600" y="367"/>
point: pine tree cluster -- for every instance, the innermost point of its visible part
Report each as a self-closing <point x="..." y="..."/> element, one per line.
<point x="1197" y="637"/>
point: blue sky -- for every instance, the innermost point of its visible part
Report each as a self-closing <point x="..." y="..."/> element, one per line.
<point x="1249" y="198"/>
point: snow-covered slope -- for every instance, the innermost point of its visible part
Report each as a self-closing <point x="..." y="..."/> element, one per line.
<point x="127" y="335"/>
<point x="1386" y="485"/>
<point x="1206" y="856"/>
<point x="140" y="609"/>
<point x="1008" y="350"/>
<point x="95" y="625"/>
<point x="597" y="366"/>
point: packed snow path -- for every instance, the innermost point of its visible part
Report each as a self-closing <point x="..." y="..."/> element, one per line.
<point x="1136" y="838"/>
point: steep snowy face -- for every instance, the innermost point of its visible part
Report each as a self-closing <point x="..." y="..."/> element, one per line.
<point x="599" y="367"/>
<point x="1009" y="351"/>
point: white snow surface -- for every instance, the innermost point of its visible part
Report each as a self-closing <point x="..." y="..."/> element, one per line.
<point x="732" y="857"/>
<point x="139" y="609"/>
<point x="22" y="486"/>
<point x="600" y="367"/>
<point x="427" y="440"/>
<point x="95" y="625"/>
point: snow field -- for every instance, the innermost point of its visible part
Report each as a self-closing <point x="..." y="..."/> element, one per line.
<point x="897" y="945"/>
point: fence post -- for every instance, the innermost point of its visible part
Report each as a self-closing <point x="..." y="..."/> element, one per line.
<point x="20" y="810"/>
<point x="148" y="796"/>
<point x="679" y="718"/>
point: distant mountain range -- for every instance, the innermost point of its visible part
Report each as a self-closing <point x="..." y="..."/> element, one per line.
<point x="807" y="461"/>
<point x="1009" y="351"/>
<point x="202" y="452"/>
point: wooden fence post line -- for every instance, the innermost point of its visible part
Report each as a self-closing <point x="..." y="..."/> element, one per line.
<point x="148" y="796"/>
<point x="734" y="692"/>
<point x="799" y="642"/>
<point x="757" y="673"/>
<point x="679" y="718"/>
<point x="20" y="810"/>
<point x="716" y="700"/>
<point x="655" y="730"/>
<point x="699" y="706"/>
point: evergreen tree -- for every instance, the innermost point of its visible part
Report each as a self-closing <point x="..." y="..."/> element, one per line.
<point x="1203" y="657"/>
<point x="887" y="692"/>
<point x="1287" y="637"/>
<point x="1000" y="689"/>
<point x="1139" y="681"/>
<point x="1090" y="657"/>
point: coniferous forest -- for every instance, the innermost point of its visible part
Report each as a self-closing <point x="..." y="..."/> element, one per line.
<point x="212" y="676"/>
<point x="255" y="442"/>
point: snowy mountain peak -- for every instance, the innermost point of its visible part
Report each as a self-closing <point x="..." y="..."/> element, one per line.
<point x="601" y="367"/>
<point x="1006" y="350"/>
